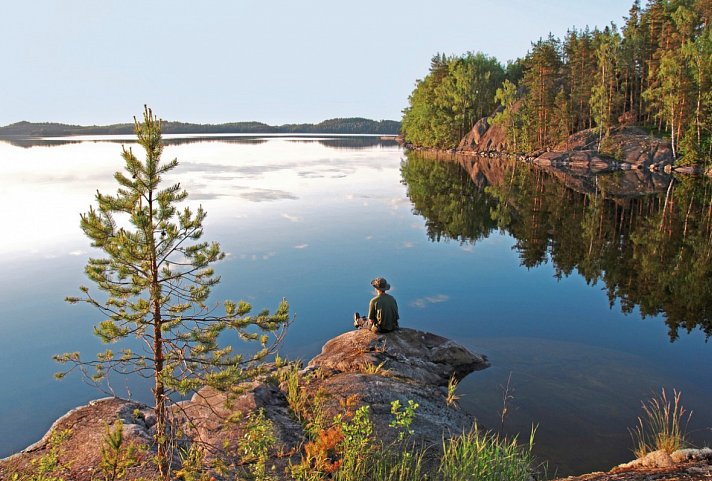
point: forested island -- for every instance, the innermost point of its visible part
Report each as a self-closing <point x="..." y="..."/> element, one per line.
<point x="353" y="125"/>
<point x="654" y="72"/>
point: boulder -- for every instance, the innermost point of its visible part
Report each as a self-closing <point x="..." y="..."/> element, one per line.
<point x="412" y="355"/>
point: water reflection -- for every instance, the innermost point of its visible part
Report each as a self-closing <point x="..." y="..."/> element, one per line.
<point x="648" y="244"/>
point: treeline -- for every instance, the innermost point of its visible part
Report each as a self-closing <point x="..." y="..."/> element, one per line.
<point x="655" y="71"/>
<point x="355" y="125"/>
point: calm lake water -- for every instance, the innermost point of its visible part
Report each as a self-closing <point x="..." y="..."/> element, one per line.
<point x="580" y="294"/>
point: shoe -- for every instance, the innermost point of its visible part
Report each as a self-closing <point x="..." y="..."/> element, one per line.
<point x="357" y="320"/>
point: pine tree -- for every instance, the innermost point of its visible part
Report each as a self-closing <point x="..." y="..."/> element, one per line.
<point x="156" y="277"/>
<point x="605" y="96"/>
<point x="542" y="78"/>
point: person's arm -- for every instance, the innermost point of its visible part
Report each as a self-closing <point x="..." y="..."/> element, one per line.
<point x="372" y="315"/>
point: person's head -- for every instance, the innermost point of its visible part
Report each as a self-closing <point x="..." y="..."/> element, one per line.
<point x="380" y="284"/>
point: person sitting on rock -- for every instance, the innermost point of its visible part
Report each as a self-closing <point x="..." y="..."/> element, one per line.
<point x="382" y="310"/>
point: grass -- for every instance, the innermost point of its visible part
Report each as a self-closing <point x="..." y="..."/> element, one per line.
<point x="375" y="369"/>
<point x="452" y="397"/>
<point x="486" y="456"/>
<point x="662" y="426"/>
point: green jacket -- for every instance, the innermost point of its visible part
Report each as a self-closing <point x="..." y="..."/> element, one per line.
<point x="383" y="312"/>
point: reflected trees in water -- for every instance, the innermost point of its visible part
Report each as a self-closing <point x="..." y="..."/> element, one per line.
<point x="651" y="250"/>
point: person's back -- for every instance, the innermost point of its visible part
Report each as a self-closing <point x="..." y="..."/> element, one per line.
<point x="383" y="312"/>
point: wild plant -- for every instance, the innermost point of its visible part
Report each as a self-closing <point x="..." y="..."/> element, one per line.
<point x="403" y="418"/>
<point x="662" y="426"/>
<point x="507" y="397"/>
<point x="192" y="465"/>
<point x="452" y="397"/>
<point x="48" y="467"/>
<point x="356" y="445"/>
<point x="374" y="369"/>
<point x="258" y="438"/>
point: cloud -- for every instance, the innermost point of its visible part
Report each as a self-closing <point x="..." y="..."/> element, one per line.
<point x="407" y="245"/>
<point x="77" y="253"/>
<point x="301" y="246"/>
<point x="325" y="174"/>
<point x="266" y="195"/>
<point x="218" y="170"/>
<point x="292" y="218"/>
<point x="424" y="302"/>
<point x="264" y="257"/>
<point x="205" y="196"/>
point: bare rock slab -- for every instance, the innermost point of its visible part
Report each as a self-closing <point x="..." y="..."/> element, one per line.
<point x="410" y="354"/>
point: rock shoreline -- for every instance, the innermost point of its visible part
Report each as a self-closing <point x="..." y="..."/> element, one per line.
<point x="628" y="148"/>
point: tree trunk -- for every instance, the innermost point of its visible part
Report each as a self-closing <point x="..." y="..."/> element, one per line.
<point x="159" y="392"/>
<point x="672" y="131"/>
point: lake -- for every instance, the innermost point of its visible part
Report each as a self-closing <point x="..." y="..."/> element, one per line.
<point x="586" y="299"/>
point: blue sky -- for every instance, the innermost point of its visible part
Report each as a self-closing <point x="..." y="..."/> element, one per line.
<point x="275" y="61"/>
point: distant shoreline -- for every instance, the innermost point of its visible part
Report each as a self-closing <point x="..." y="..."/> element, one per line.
<point x="354" y="126"/>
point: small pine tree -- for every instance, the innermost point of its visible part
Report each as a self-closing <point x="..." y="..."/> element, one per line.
<point x="156" y="277"/>
<point x="117" y="456"/>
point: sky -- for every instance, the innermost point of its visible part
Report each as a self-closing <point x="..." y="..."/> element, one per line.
<point x="275" y="61"/>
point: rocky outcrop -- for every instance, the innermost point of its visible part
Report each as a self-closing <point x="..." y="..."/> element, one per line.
<point x="682" y="465"/>
<point x="410" y="365"/>
<point x="406" y="354"/>
<point x="626" y="148"/>
<point x="630" y="145"/>
<point x="85" y="428"/>
<point x="486" y="136"/>
<point x="356" y="368"/>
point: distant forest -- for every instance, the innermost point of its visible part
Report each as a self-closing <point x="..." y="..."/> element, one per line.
<point x="654" y="72"/>
<point x="332" y="126"/>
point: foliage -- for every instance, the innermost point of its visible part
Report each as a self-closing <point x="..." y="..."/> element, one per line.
<point x="507" y="97"/>
<point x="656" y="72"/>
<point x="356" y="445"/>
<point x="403" y="419"/>
<point x="306" y="407"/>
<point x="48" y="467"/>
<point x="486" y="456"/>
<point x="456" y="93"/>
<point x="116" y="455"/>
<point x="192" y="466"/>
<point x="156" y="278"/>
<point x="662" y="425"/>
<point x="255" y="445"/>
<point x="348" y="450"/>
